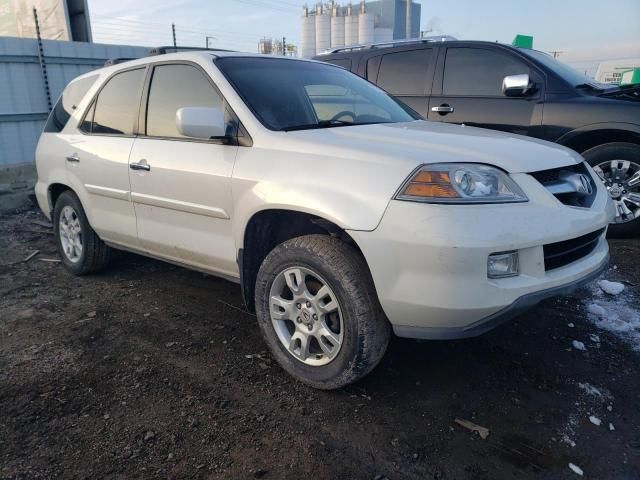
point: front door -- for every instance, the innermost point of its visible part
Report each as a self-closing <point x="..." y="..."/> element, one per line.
<point x="181" y="186"/>
<point x="469" y="91"/>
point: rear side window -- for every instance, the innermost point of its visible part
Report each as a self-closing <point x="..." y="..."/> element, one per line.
<point x="478" y="72"/>
<point x="116" y="109"/>
<point x="67" y="103"/>
<point x="172" y="88"/>
<point x="341" y="62"/>
<point x="404" y="73"/>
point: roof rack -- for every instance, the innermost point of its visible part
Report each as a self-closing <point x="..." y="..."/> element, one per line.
<point x="392" y="43"/>
<point x="171" y="49"/>
<point x="116" y="61"/>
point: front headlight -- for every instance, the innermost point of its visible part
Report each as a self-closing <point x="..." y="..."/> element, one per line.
<point x="460" y="183"/>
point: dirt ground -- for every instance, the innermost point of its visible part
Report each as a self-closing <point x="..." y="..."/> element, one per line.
<point x="150" y="370"/>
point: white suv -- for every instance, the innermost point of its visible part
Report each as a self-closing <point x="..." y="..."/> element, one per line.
<point x="341" y="214"/>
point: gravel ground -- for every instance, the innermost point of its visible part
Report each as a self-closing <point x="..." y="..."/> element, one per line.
<point x="150" y="370"/>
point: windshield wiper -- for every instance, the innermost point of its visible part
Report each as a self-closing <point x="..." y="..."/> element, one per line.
<point x="590" y="87"/>
<point x="320" y="124"/>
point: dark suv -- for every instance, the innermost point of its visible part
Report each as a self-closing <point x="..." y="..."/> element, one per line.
<point x="515" y="90"/>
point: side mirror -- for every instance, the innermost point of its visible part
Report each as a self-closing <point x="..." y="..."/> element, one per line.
<point x="516" y="85"/>
<point x="201" y="122"/>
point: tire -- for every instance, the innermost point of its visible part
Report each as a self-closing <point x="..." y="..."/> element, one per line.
<point x="617" y="151"/>
<point x="364" y="328"/>
<point x="93" y="254"/>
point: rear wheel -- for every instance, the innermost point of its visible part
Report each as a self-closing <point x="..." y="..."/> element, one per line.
<point x="319" y="312"/>
<point x="79" y="247"/>
<point x="618" y="166"/>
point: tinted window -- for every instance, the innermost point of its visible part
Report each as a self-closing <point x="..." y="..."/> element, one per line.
<point x="474" y="71"/>
<point x="68" y="102"/>
<point x="341" y="62"/>
<point x="294" y="95"/>
<point x="116" y="108"/>
<point x="172" y="88"/>
<point x="404" y="73"/>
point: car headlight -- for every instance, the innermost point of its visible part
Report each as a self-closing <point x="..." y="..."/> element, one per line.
<point x="460" y="183"/>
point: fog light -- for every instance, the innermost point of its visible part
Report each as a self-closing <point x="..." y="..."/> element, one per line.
<point x="503" y="264"/>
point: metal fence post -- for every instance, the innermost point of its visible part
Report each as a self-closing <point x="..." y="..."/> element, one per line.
<point x="43" y="63"/>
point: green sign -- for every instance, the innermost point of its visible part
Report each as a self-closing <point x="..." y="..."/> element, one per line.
<point x="630" y="77"/>
<point x="523" y="41"/>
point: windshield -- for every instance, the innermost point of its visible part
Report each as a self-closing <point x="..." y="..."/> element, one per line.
<point x="566" y="72"/>
<point x="296" y="95"/>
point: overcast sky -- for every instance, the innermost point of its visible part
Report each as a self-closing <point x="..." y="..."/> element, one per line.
<point x="586" y="31"/>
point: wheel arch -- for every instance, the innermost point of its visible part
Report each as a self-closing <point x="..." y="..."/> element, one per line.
<point x="585" y="138"/>
<point x="268" y="228"/>
<point x="54" y="191"/>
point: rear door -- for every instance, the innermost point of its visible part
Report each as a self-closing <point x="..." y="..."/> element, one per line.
<point x="406" y="74"/>
<point x="181" y="186"/>
<point x="98" y="157"/>
<point x="468" y="89"/>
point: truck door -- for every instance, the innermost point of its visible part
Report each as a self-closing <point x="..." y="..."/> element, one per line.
<point x="468" y="89"/>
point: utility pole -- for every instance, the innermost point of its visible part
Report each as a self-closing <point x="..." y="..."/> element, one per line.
<point x="556" y="53"/>
<point x="206" y="39"/>
<point x="173" y="31"/>
<point x="43" y="63"/>
<point x="284" y="47"/>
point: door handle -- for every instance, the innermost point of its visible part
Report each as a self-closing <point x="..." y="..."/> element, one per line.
<point x="73" y="158"/>
<point x="442" y="109"/>
<point x="141" y="165"/>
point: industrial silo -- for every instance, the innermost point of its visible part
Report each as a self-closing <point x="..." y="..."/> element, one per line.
<point x="350" y="27"/>
<point x="337" y="28"/>
<point x="365" y="25"/>
<point x="323" y="29"/>
<point x="308" y="37"/>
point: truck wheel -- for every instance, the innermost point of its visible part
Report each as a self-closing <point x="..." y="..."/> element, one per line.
<point x="319" y="312"/>
<point x="79" y="247"/>
<point x="618" y="165"/>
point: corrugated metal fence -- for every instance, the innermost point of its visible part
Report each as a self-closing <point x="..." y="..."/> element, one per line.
<point x="23" y="100"/>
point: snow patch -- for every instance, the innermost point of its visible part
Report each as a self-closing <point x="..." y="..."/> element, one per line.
<point x="578" y="345"/>
<point x="613" y="312"/>
<point x="612" y="288"/>
<point x="576" y="469"/>
<point x="595" y="420"/>
<point x="590" y="389"/>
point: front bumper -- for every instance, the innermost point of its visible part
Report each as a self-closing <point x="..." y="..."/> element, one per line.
<point x="429" y="262"/>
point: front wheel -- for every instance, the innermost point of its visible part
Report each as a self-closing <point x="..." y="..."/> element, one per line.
<point x="319" y="312"/>
<point x="618" y="166"/>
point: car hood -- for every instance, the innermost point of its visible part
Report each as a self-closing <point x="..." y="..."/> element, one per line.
<point x="421" y="142"/>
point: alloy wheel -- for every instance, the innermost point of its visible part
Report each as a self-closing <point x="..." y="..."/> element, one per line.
<point x="306" y="316"/>
<point x="70" y="234"/>
<point x="622" y="179"/>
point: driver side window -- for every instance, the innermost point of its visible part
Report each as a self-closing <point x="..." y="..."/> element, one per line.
<point x="334" y="102"/>
<point x="478" y="72"/>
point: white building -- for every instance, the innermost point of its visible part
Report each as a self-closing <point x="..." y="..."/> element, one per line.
<point x="610" y="71"/>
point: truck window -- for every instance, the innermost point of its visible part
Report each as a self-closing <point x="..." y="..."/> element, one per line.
<point x="341" y="62"/>
<point x="478" y="72"/>
<point x="404" y="73"/>
<point x="68" y="102"/>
